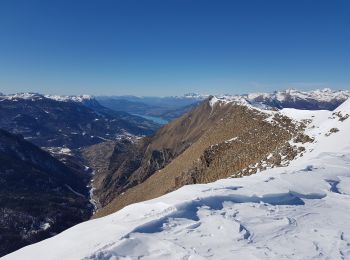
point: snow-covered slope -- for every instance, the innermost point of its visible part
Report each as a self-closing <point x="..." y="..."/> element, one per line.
<point x="297" y="212"/>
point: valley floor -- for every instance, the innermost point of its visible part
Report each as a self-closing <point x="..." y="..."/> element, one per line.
<point x="297" y="212"/>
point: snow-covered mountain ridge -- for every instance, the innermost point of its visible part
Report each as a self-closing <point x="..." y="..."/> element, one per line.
<point x="297" y="212"/>
<point x="291" y="98"/>
<point x="37" y="96"/>
<point x="325" y="94"/>
<point x="321" y="95"/>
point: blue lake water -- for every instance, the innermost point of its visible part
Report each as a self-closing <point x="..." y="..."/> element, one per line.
<point x="155" y="119"/>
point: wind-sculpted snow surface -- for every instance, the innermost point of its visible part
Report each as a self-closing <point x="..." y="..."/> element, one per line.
<point x="297" y="212"/>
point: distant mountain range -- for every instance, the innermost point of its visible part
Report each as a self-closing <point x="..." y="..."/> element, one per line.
<point x="326" y="99"/>
<point x="69" y="121"/>
<point x="167" y="108"/>
<point x="172" y="107"/>
<point x="100" y="147"/>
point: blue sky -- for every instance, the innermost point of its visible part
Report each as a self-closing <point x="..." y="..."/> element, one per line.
<point x="165" y="47"/>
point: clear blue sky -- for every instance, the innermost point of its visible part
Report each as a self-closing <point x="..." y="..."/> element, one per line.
<point x="166" y="47"/>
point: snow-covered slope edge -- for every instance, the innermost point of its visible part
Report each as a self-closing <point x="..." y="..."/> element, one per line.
<point x="297" y="212"/>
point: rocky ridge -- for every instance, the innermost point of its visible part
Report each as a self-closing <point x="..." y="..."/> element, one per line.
<point x="220" y="138"/>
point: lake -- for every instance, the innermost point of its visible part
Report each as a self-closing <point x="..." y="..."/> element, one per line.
<point x="155" y="119"/>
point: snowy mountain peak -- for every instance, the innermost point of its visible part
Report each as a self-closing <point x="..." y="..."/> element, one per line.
<point x="326" y="90"/>
<point x="315" y="99"/>
<point x="36" y="96"/>
<point x="24" y="95"/>
<point x="194" y="96"/>
<point x="226" y="99"/>
<point x="325" y="94"/>
<point x="78" y="98"/>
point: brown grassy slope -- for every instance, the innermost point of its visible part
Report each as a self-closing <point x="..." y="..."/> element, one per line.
<point x="132" y="161"/>
<point x="209" y="156"/>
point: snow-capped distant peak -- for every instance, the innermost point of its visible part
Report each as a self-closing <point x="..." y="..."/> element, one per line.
<point x="62" y="98"/>
<point x="317" y="99"/>
<point x="36" y="96"/>
<point x="195" y="96"/>
<point x="228" y="99"/>
<point x="325" y="94"/>
<point x="18" y="96"/>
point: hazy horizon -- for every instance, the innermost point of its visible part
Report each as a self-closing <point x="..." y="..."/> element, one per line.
<point x="165" y="96"/>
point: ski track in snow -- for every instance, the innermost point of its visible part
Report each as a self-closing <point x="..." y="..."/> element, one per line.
<point x="297" y="212"/>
